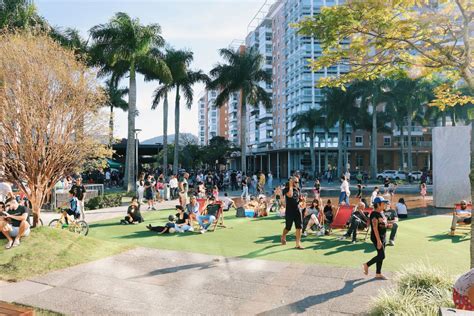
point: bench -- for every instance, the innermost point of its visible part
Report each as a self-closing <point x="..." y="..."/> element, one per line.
<point x="10" y="309"/>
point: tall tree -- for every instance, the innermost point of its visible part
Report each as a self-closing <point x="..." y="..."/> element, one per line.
<point x="50" y="144"/>
<point x="115" y="100"/>
<point x="176" y="61"/>
<point x="20" y="14"/>
<point x="183" y="79"/>
<point x="309" y="121"/>
<point x="341" y="110"/>
<point x="373" y="93"/>
<point x="129" y="46"/>
<point x="242" y="72"/>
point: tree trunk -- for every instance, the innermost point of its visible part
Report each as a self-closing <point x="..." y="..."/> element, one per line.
<point x="111" y="126"/>
<point x="36" y="198"/>
<point x="165" y="135"/>
<point x="340" y="148"/>
<point x="410" y="149"/>
<point x="132" y="103"/>
<point x="373" y="152"/>
<point x="311" y="152"/>
<point x="443" y="119"/>
<point x="176" y="132"/>
<point x="402" y="148"/>
<point x="243" y="132"/>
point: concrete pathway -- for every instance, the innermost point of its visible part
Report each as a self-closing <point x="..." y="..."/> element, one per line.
<point x="158" y="282"/>
<point x="112" y="212"/>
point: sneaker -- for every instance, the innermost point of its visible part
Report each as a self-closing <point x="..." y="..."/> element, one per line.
<point x="16" y="243"/>
<point x="9" y="244"/>
<point x="391" y="243"/>
<point x="342" y="237"/>
<point x="305" y="234"/>
<point x="202" y="231"/>
<point x="153" y="208"/>
<point x="353" y="242"/>
<point x="320" y="233"/>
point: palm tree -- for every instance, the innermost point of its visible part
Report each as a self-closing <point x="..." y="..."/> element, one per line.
<point x="176" y="60"/>
<point x="373" y="93"/>
<point x="340" y="105"/>
<point x="309" y="121"/>
<point x="115" y="100"/>
<point x="130" y="47"/>
<point x="182" y="81"/>
<point x="20" y="14"/>
<point x="242" y="72"/>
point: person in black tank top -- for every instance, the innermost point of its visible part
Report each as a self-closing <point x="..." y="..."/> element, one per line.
<point x="378" y="224"/>
<point x="292" y="212"/>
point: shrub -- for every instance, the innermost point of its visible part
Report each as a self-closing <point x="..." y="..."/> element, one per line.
<point x="420" y="290"/>
<point x="104" y="201"/>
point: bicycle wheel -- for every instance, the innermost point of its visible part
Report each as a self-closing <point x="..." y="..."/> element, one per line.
<point x="55" y="223"/>
<point x="81" y="228"/>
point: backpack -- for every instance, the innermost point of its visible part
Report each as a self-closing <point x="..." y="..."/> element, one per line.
<point x="240" y="212"/>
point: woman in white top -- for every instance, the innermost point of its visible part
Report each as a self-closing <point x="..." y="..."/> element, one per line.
<point x="345" y="192"/>
<point x="401" y="208"/>
<point x="140" y="191"/>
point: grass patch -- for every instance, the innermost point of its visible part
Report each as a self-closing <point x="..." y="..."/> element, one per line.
<point x="420" y="290"/>
<point x="422" y="239"/>
<point x="49" y="249"/>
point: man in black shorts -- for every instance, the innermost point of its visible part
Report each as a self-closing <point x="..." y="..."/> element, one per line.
<point x="292" y="212"/>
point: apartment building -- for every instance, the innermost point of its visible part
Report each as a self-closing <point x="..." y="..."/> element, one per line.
<point x="271" y="143"/>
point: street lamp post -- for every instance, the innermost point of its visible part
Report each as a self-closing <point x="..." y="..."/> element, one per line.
<point x="137" y="130"/>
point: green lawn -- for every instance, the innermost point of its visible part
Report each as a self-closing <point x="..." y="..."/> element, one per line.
<point x="422" y="239"/>
<point x="48" y="249"/>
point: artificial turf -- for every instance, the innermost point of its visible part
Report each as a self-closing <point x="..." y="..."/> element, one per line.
<point x="419" y="239"/>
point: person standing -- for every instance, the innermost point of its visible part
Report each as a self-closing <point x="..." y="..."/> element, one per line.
<point x="173" y="183"/>
<point x="79" y="191"/>
<point x="423" y="190"/>
<point x="245" y="191"/>
<point x="292" y="213"/>
<point x="345" y="192"/>
<point x="317" y="189"/>
<point x="378" y="223"/>
<point x="270" y="181"/>
<point x="149" y="193"/>
<point x="183" y="189"/>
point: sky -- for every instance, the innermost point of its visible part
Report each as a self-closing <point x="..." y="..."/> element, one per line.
<point x="202" y="26"/>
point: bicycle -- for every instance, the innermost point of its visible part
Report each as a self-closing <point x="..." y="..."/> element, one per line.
<point x="65" y="221"/>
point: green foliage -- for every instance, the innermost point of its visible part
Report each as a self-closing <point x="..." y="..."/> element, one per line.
<point x="104" y="201"/>
<point x="421" y="289"/>
<point x="20" y="14"/>
<point x="219" y="148"/>
<point x="383" y="38"/>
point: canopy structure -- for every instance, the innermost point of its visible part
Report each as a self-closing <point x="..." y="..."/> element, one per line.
<point x="146" y="153"/>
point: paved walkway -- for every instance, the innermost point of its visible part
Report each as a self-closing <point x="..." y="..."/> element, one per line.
<point x="158" y="282"/>
<point x="108" y="213"/>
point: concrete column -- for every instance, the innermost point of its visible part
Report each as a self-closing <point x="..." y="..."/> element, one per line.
<point x="268" y="163"/>
<point x="261" y="162"/>
<point x="278" y="165"/>
<point x="289" y="164"/>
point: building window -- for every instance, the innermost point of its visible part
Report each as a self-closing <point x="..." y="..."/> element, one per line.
<point x="360" y="161"/>
<point x="359" y="141"/>
<point x="387" y="141"/>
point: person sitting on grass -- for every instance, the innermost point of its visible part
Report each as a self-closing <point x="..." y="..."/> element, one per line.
<point x="169" y="227"/>
<point x="310" y="218"/>
<point x="133" y="213"/>
<point x="461" y="216"/>
<point x="328" y="213"/>
<point x="17" y="215"/>
<point x="209" y="215"/>
<point x="192" y="208"/>
<point x="276" y="202"/>
<point x="392" y="223"/>
<point x="182" y="221"/>
<point x="401" y="208"/>
<point x="358" y="220"/>
<point x="227" y="202"/>
<point x="262" y="206"/>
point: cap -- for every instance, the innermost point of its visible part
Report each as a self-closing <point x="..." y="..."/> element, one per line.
<point x="380" y="199"/>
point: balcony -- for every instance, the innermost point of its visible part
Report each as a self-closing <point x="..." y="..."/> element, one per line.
<point x="264" y="116"/>
<point x="415" y="131"/>
<point x="418" y="144"/>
